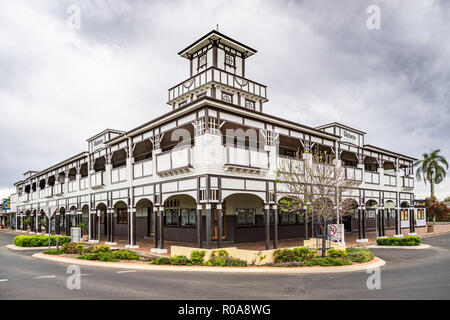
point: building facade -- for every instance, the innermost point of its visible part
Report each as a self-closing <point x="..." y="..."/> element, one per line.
<point x="205" y="172"/>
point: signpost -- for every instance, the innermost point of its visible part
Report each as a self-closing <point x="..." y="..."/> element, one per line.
<point x="336" y="232"/>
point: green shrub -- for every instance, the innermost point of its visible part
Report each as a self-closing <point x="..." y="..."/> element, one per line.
<point x="99" y="248"/>
<point x="360" y="255"/>
<point x="160" y="261"/>
<point x="298" y="254"/>
<point x="336" y="253"/>
<point x="101" y="256"/>
<point x="74" y="248"/>
<point x="39" y="241"/>
<point x="125" y="255"/>
<point x="220" y="253"/>
<point x="328" y="262"/>
<point x="198" y="257"/>
<point x="226" y="261"/>
<point x="405" y="241"/>
<point x="180" y="261"/>
<point x="54" y="252"/>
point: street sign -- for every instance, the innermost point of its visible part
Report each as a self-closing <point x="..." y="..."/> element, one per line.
<point x="336" y="232"/>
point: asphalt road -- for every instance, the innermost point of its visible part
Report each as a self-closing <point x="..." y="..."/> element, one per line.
<point x="409" y="274"/>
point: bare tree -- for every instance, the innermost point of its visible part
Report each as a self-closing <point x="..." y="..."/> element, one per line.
<point x="319" y="182"/>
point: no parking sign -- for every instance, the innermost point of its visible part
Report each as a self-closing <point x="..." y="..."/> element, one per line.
<point x="336" y="232"/>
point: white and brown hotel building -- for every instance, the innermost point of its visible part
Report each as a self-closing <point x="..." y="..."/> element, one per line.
<point x="205" y="171"/>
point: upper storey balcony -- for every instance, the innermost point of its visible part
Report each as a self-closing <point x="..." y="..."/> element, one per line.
<point x="212" y="75"/>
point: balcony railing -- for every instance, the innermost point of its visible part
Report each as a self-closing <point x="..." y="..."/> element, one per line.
<point x="246" y="158"/>
<point x="58" y="189"/>
<point x="291" y="164"/>
<point x="390" y="180"/>
<point x="407" y="182"/>
<point x="71" y="186"/>
<point x="353" y="174"/>
<point x="119" y="174"/>
<point x="143" y="169"/>
<point x="48" y="191"/>
<point x="84" y="183"/>
<point x="174" y="161"/>
<point x="97" y="179"/>
<point x="372" y="177"/>
<point x="218" y="76"/>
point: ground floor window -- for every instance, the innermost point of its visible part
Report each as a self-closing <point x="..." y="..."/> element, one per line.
<point x="122" y="216"/>
<point x="246" y="217"/>
<point x="370" y="214"/>
<point x="420" y="214"/>
<point x="393" y="213"/>
<point x="172" y="217"/>
<point x="404" y="214"/>
<point x="188" y="217"/>
<point x="288" y="218"/>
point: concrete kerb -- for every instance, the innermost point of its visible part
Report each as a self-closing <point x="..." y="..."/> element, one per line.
<point x="14" y="247"/>
<point x="420" y="246"/>
<point x="375" y="263"/>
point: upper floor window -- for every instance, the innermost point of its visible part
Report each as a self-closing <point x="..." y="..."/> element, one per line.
<point x="202" y="60"/>
<point x="227" y="97"/>
<point x="250" y="104"/>
<point x="229" y="60"/>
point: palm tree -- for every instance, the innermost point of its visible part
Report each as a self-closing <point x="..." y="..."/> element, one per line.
<point x="431" y="168"/>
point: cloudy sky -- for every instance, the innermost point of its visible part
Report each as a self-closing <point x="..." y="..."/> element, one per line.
<point x="319" y="60"/>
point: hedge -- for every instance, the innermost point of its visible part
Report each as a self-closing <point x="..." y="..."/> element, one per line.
<point x="39" y="241"/>
<point x="299" y="254"/>
<point x="393" y="241"/>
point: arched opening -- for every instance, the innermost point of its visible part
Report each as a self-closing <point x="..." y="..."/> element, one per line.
<point x="143" y="150"/>
<point x="27" y="220"/>
<point x="119" y="158"/>
<point x="350" y="214"/>
<point x="390" y="213"/>
<point x="99" y="164"/>
<point x="144" y="218"/>
<point x="85" y="219"/>
<point x="102" y="224"/>
<point x="64" y="225"/>
<point x="244" y="218"/>
<point x="371" y="208"/>
<point x="120" y="218"/>
<point x="404" y="214"/>
<point x="180" y="218"/>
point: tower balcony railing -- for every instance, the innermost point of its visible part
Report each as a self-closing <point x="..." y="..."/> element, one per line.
<point x="407" y="182"/>
<point x="371" y="177"/>
<point x="246" y="158"/>
<point x="119" y="174"/>
<point x="143" y="168"/>
<point x="214" y="75"/>
<point x="174" y="161"/>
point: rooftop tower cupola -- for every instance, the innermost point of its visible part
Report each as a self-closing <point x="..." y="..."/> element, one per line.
<point x="217" y="70"/>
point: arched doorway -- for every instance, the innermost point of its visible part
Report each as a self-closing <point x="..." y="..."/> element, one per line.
<point x="180" y="219"/>
<point x="244" y="218"/>
<point x="120" y="219"/>
<point x="389" y="206"/>
<point x="371" y="207"/>
<point x="350" y="214"/>
<point x="145" y="224"/>
<point x="102" y="224"/>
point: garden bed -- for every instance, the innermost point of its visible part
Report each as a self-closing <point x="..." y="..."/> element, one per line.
<point x="409" y="241"/>
<point x="39" y="241"/>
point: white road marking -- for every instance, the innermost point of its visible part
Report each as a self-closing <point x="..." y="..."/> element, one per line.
<point x="3" y="280"/>
<point x="126" y="271"/>
<point x="44" y="277"/>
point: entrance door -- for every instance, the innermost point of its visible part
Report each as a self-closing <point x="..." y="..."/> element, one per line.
<point x="150" y="222"/>
<point x="215" y="224"/>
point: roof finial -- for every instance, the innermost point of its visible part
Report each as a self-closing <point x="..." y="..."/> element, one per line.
<point x="217" y="27"/>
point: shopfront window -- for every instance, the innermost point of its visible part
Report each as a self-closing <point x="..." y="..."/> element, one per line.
<point x="246" y="217"/>
<point x="122" y="216"/>
<point x="188" y="217"/>
<point x="171" y="217"/>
